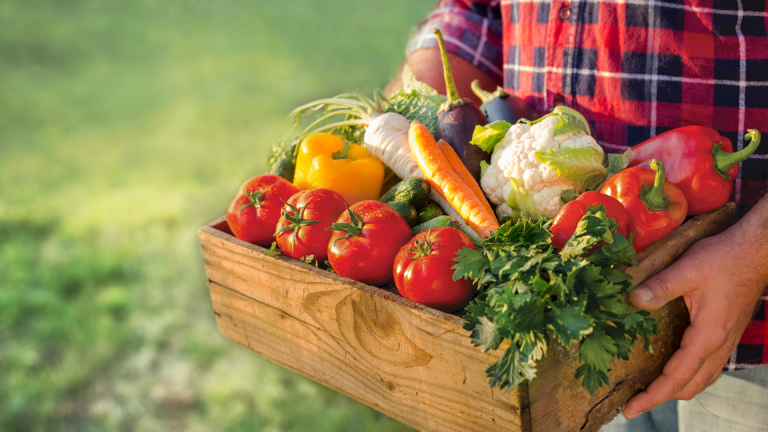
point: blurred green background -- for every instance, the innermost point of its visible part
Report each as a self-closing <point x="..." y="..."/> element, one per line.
<point x="124" y="126"/>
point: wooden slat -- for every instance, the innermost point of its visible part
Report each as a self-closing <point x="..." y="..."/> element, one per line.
<point x="559" y="403"/>
<point x="411" y="362"/>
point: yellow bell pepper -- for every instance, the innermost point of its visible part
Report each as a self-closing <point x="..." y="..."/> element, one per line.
<point x="357" y="177"/>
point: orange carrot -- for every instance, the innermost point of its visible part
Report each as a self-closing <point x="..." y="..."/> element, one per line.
<point x="441" y="176"/>
<point x="461" y="169"/>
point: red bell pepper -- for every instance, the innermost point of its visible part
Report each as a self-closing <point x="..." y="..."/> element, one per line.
<point x="567" y="219"/>
<point x="699" y="161"/>
<point x="655" y="207"/>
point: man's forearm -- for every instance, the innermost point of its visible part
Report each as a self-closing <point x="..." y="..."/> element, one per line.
<point x="427" y="66"/>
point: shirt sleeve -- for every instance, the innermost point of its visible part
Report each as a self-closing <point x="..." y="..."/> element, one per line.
<point x="471" y="29"/>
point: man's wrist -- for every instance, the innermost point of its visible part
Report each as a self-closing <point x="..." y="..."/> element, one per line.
<point x="745" y="240"/>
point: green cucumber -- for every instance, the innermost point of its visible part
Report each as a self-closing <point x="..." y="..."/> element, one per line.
<point x="438" y="222"/>
<point x="415" y="191"/>
<point x="429" y="212"/>
<point x="284" y="168"/>
<point x="406" y="210"/>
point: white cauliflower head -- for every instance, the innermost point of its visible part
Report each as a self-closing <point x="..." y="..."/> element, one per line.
<point x="517" y="173"/>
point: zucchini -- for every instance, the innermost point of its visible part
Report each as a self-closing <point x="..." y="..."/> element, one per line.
<point x="406" y="210"/>
<point x="429" y="212"/>
<point x="438" y="222"/>
<point x="284" y="168"/>
<point x="415" y="191"/>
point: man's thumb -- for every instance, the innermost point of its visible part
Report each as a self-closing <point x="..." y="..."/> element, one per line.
<point x="662" y="288"/>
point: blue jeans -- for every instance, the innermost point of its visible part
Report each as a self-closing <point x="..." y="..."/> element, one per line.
<point x="737" y="402"/>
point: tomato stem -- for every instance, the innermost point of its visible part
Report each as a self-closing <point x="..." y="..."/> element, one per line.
<point x="254" y="199"/>
<point x="422" y="247"/>
<point x="353" y="229"/>
<point x="296" y="218"/>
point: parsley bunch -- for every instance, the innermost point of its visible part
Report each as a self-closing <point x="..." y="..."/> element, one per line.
<point x="529" y="294"/>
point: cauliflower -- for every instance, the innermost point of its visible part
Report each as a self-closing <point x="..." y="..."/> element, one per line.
<point x="530" y="167"/>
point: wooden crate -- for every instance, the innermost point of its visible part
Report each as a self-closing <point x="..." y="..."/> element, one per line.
<point x="414" y="363"/>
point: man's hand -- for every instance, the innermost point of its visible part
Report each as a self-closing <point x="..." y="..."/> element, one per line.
<point x="721" y="279"/>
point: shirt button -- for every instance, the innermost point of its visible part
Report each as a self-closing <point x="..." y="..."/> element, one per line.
<point x="565" y="13"/>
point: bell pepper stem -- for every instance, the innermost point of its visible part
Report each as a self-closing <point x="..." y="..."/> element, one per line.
<point x="653" y="196"/>
<point x="724" y="161"/>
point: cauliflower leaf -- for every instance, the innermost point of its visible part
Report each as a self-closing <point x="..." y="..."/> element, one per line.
<point x="486" y="137"/>
<point x="617" y="162"/>
<point x="521" y="202"/>
<point x="582" y="166"/>
<point x="568" y="121"/>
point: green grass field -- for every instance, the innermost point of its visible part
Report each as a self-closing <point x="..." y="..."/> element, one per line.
<point x="125" y="125"/>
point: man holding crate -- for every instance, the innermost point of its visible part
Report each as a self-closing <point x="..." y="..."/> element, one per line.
<point x="636" y="69"/>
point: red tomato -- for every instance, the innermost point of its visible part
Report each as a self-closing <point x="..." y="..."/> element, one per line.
<point x="305" y="221"/>
<point x="254" y="212"/>
<point x="364" y="249"/>
<point x="423" y="270"/>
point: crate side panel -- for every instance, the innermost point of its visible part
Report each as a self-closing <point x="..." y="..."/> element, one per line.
<point x="420" y="384"/>
<point x="559" y="403"/>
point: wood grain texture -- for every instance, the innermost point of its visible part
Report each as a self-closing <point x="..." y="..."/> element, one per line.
<point x="411" y="362"/>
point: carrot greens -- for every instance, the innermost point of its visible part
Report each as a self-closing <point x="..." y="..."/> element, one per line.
<point x="530" y="295"/>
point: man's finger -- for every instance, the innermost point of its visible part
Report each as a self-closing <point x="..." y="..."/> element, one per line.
<point x="709" y="372"/>
<point x="697" y="345"/>
<point x="668" y="285"/>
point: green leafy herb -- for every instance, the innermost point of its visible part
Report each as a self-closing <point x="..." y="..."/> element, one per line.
<point x="583" y="166"/>
<point x="529" y="295"/>
<point x="486" y="137"/>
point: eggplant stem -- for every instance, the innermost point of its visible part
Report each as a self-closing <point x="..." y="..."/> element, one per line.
<point x="450" y="85"/>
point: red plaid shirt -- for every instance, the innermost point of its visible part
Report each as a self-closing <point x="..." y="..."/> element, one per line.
<point x="635" y="69"/>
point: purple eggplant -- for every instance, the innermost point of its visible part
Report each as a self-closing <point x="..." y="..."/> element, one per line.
<point x="500" y="105"/>
<point x="457" y="118"/>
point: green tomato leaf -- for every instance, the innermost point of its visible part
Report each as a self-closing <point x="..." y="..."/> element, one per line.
<point x="521" y="202"/>
<point x="486" y="137"/>
<point x="582" y="166"/>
